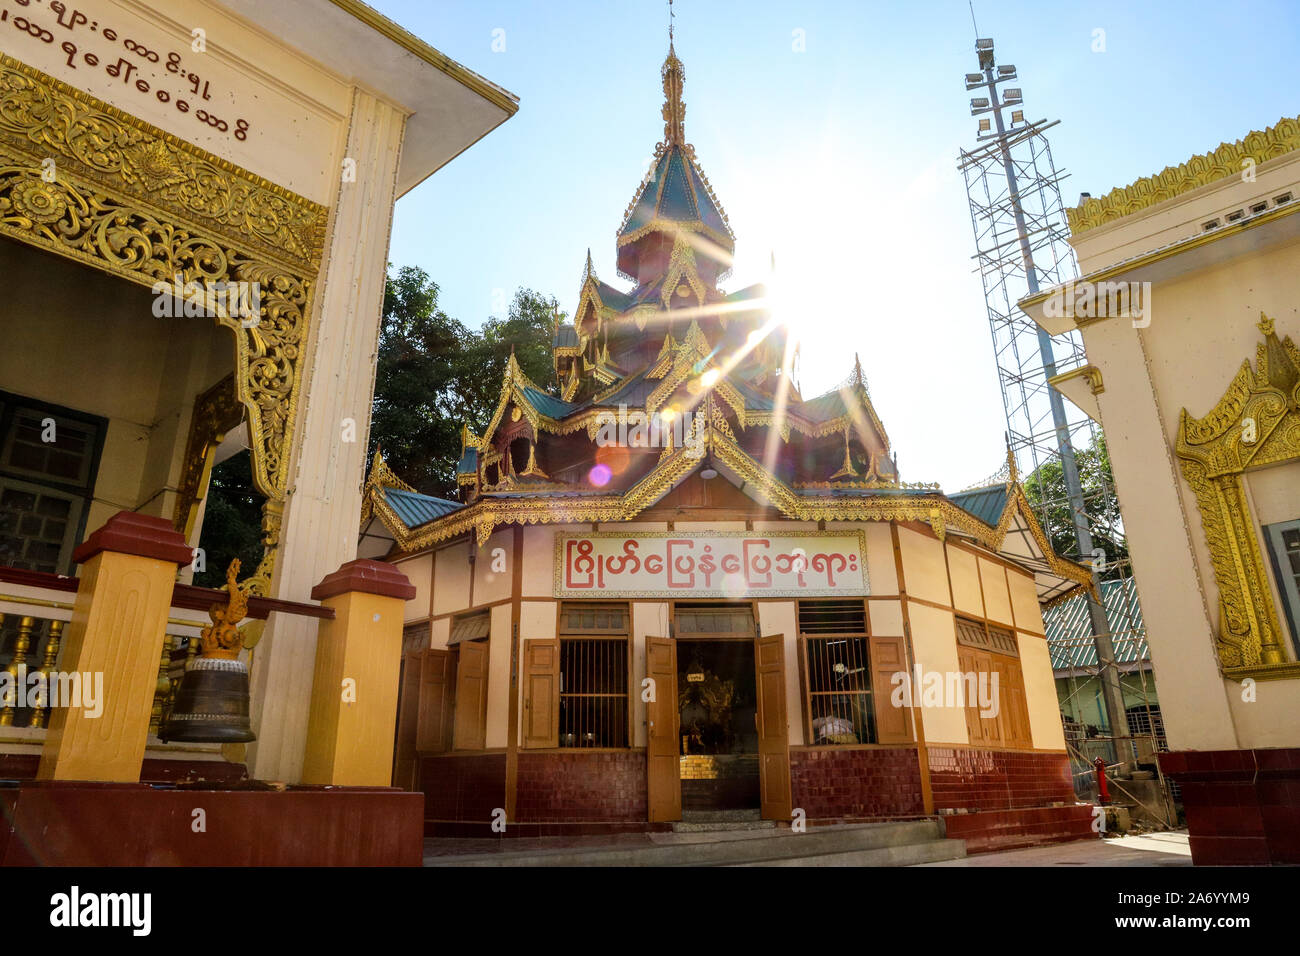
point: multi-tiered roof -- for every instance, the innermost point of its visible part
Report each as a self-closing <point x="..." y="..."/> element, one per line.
<point x="712" y="371"/>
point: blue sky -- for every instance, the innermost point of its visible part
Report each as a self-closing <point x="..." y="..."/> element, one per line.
<point x="840" y="159"/>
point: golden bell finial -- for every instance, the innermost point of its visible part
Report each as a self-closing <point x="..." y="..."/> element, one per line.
<point x="221" y="639"/>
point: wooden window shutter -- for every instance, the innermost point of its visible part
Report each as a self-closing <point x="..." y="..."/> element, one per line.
<point x="433" y="721"/>
<point x="889" y="657"/>
<point x="995" y="727"/>
<point x="1012" y="690"/>
<point x="470" y="729"/>
<point x="541" y="694"/>
<point x="970" y="663"/>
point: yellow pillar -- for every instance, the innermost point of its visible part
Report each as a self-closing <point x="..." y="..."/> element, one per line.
<point x="358" y="664"/>
<point x="112" y="644"/>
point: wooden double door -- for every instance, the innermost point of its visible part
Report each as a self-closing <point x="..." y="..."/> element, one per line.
<point x="663" y="729"/>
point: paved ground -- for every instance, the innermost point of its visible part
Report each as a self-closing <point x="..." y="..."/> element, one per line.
<point x="1152" y="849"/>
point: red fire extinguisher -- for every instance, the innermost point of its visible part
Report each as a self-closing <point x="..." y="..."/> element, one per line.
<point x="1103" y="794"/>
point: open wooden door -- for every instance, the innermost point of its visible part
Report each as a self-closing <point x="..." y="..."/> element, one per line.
<point x="773" y="728"/>
<point x="889" y="657"/>
<point x="541" y="694"/>
<point x="437" y="683"/>
<point x="663" y="769"/>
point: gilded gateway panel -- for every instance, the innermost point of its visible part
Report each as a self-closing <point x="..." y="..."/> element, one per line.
<point x="93" y="184"/>
<point x="1255" y="423"/>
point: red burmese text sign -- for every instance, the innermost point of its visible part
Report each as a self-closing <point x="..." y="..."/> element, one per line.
<point x="718" y="564"/>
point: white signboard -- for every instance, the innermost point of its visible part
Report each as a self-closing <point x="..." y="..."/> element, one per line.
<point x="720" y="564"/>
<point x="182" y="77"/>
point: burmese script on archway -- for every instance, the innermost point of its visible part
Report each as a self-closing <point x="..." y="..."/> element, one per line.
<point x="710" y="564"/>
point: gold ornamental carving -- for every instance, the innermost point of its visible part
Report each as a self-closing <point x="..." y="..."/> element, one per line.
<point x="1230" y="159"/>
<point x="140" y="204"/>
<point x="1255" y="423"/>
<point x="221" y="639"/>
<point x="216" y="412"/>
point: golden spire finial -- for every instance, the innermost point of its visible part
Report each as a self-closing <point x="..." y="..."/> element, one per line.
<point x="1265" y="324"/>
<point x="673" y="76"/>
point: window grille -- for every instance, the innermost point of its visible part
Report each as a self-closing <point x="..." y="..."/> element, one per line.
<point x="839" y="690"/>
<point x="594" y="675"/>
<point x="838" y="671"/>
<point x="833" y="617"/>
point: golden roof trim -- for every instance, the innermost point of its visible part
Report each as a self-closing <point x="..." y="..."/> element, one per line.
<point x="930" y="507"/>
<point x="1201" y="170"/>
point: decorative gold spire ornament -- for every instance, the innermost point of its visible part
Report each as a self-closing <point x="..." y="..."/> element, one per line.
<point x="674" y="112"/>
<point x="846" y="470"/>
<point x="532" y="471"/>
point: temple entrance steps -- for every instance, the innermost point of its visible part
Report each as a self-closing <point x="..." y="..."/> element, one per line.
<point x="873" y="844"/>
<point x="721" y="821"/>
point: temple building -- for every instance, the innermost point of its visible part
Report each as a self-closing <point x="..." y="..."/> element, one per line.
<point x="1189" y="308"/>
<point x="196" y="200"/>
<point x="675" y="585"/>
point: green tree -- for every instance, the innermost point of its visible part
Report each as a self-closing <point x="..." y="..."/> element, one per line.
<point x="434" y="375"/>
<point x="1045" y="489"/>
<point x="232" y="522"/>
<point x="420" y="399"/>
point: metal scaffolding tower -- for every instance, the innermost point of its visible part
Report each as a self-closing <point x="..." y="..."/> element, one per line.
<point x="1018" y="219"/>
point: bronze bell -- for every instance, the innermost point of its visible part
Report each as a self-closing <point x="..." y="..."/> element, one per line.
<point x="211" y="705"/>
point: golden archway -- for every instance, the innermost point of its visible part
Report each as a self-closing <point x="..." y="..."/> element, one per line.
<point x="1255" y="423"/>
<point x="138" y="203"/>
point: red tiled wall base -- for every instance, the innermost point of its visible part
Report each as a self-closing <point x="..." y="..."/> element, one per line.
<point x="1242" y="806"/>
<point x="23" y="767"/>
<point x="581" y="787"/>
<point x="1014" y="829"/>
<point x="836" y="783"/>
<point x="997" y="779"/>
<point x="466" y="789"/>
<point x="56" y="823"/>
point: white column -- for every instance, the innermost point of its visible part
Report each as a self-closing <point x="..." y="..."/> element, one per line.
<point x="1180" y="622"/>
<point x="319" y="530"/>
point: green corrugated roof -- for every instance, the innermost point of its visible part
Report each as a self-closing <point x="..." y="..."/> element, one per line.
<point x="468" y="464"/>
<point x="987" y="504"/>
<point x="1069" y="628"/>
<point x="565" y="336"/>
<point x="823" y="408"/>
<point x="549" y="405"/>
<point x="415" y="509"/>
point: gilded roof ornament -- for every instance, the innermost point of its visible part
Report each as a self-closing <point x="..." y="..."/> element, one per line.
<point x="674" y="112"/>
